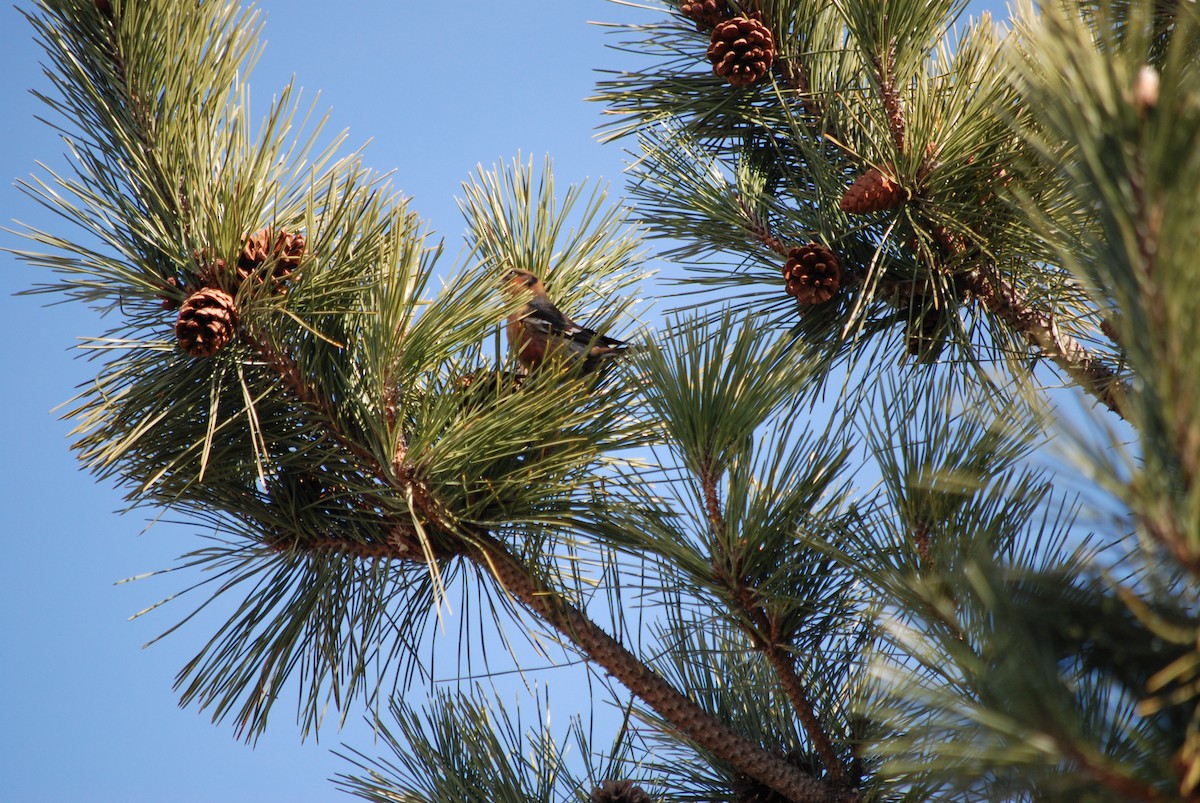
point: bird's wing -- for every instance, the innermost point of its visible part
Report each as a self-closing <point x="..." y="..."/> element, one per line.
<point x="540" y="313"/>
<point x="543" y="317"/>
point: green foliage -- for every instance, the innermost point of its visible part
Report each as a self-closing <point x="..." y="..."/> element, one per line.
<point x="730" y="678"/>
<point x="468" y="748"/>
<point x="854" y="578"/>
<point x="1135" y="134"/>
<point x="340" y="420"/>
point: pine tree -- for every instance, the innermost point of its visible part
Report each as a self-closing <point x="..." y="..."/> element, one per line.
<point x="826" y="508"/>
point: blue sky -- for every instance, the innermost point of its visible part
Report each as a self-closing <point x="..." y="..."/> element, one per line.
<point x="89" y="714"/>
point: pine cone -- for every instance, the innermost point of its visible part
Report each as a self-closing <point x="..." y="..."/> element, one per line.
<point x="105" y="8"/>
<point x="619" y="792"/>
<point x="707" y="14"/>
<point x="926" y="333"/>
<point x="285" y="248"/>
<point x="207" y="321"/>
<point x="741" y="50"/>
<point x="170" y="302"/>
<point x="872" y="192"/>
<point x="289" y="248"/>
<point x="812" y="273"/>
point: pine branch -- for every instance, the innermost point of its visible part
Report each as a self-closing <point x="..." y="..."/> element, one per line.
<point x="1040" y="329"/>
<point x="1001" y="297"/>
<point x="785" y="669"/>
<point x="690" y="720"/>
<point x="1129" y="788"/>
<point x="892" y="105"/>
<point x="763" y="635"/>
<point x="403" y="540"/>
<point x="361" y="455"/>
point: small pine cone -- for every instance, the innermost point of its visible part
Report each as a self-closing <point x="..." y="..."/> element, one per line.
<point x="872" y="192"/>
<point x="256" y="249"/>
<point x="707" y="14"/>
<point x="171" y="302"/>
<point x="619" y="792"/>
<point x="289" y="249"/>
<point x="105" y="8"/>
<point x="286" y="248"/>
<point x="207" y="321"/>
<point x="812" y="273"/>
<point x="741" y="50"/>
<point x="926" y="333"/>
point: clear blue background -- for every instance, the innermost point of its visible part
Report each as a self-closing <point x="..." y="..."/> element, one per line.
<point x="86" y="713"/>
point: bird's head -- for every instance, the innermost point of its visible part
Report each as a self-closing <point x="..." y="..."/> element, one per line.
<point x="517" y="280"/>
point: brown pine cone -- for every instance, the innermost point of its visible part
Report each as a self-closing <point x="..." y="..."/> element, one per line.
<point x="741" y="50"/>
<point x="207" y="321"/>
<point x="812" y="273"/>
<point x="619" y="792"/>
<point x="285" y="248"/>
<point x="872" y="192"/>
<point x="170" y="302"/>
<point x="926" y="333"/>
<point x="706" y="13"/>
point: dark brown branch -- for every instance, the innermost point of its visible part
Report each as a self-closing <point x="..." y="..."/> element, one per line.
<point x="1107" y="776"/>
<point x="785" y="669"/>
<point x="767" y="640"/>
<point x="289" y="372"/>
<point x="365" y="551"/>
<point x="688" y="718"/>
<point x="921" y="541"/>
<point x="1110" y="328"/>
<point x="681" y="713"/>
<point x="712" y="504"/>
<point x="758" y="227"/>
<point x="796" y="76"/>
<point x="407" y="542"/>
<point x="1009" y="303"/>
<point x="283" y="364"/>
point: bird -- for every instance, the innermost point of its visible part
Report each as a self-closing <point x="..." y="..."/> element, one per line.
<point x="539" y="332"/>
